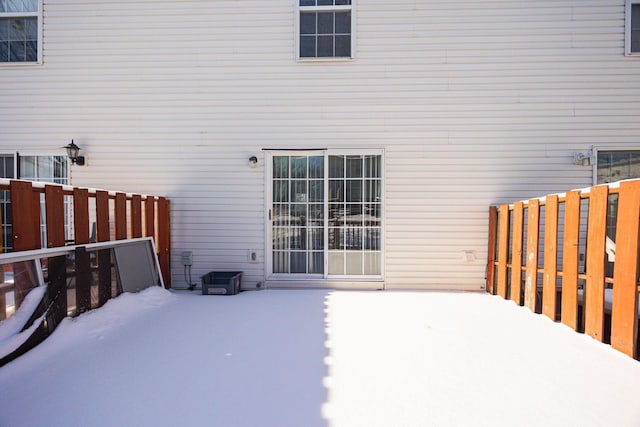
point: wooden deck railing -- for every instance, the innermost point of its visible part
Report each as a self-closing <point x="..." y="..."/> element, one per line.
<point x="110" y="216"/>
<point x="588" y="294"/>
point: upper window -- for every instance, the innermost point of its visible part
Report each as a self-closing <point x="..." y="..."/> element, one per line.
<point x="325" y="28"/>
<point x="19" y="31"/>
<point x="632" y="27"/>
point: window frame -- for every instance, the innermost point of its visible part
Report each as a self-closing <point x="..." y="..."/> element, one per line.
<point x="39" y="16"/>
<point x="598" y="150"/>
<point x="18" y="175"/>
<point x="627" y="27"/>
<point x="341" y="8"/>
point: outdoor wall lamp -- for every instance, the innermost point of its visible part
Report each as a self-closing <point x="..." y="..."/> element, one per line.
<point x="253" y="161"/>
<point x="72" y="153"/>
<point x="582" y="158"/>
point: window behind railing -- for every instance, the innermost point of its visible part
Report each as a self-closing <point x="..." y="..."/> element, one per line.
<point x="615" y="166"/>
<point x="53" y="169"/>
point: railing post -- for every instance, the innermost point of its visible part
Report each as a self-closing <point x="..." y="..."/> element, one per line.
<point x="121" y="216"/>
<point x="491" y="250"/>
<point x="516" y="253"/>
<point x="531" y="277"/>
<point x="81" y="216"/>
<point x="624" y="313"/>
<point x="136" y="216"/>
<point x="26" y="218"/>
<point x="26" y="234"/>
<point x="103" y="234"/>
<point x="594" y="292"/>
<point x="150" y="217"/>
<point x="570" y="250"/>
<point x="83" y="280"/>
<point x="503" y="249"/>
<point x="164" y="240"/>
<point x="54" y="206"/>
<point x="549" y="290"/>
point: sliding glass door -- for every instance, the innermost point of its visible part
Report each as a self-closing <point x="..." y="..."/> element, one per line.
<point x="325" y="215"/>
<point x="298" y="215"/>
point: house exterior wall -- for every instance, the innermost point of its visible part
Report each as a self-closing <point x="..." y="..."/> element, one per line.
<point x="474" y="103"/>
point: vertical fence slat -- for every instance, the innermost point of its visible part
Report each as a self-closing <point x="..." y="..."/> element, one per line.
<point x="104" y="256"/>
<point x="531" y="277"/>
<point x="491" y="249"/>
<point x="26" y="219"/>
<point x="26" y="234"/>
<point x="164" y="241"/>
<point x="57" y="266"/>
<point x="624" y="317"/>
<point x="54" y="207"/>
<point x="102" y="216"/>
<point x="516" y="253"/>
<point x="150" y="216"/>
<point x="594" y="292"/>
<point x="136" y="216"/>
<point x="503" y="251"/>
<point x="83" y="280"/>
<point x="121" y="216"/>
<point x="81" y="215"/>
<point x="570" y="250"/>
<point x="550" y="257"/>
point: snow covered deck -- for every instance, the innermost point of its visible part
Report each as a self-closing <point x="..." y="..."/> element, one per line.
<point x="318" y="358"/>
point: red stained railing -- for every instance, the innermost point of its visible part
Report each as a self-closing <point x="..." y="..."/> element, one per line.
<point x="110" y="216"/>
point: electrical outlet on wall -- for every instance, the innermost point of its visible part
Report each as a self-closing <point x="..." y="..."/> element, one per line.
<point x="187" y="258"/>
<point x="468" y="256"/>
<point x="252" y="255"/>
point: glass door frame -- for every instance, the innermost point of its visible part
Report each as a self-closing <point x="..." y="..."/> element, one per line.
<point x="269" y="274"/>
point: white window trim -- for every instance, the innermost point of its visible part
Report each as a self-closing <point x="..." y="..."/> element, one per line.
<point x="324" y="278"/>
<point x="38" y="15"/>
<point x="15" y="161"/>
<point x="627" y="27"/>
<point x="36" y="153"/>
<point x="299" y="8"/>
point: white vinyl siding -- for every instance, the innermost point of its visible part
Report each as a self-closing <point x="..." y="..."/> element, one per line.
<point x="474" y="103"/>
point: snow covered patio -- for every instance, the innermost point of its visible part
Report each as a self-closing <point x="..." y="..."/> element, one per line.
<point x="318" y="358"/>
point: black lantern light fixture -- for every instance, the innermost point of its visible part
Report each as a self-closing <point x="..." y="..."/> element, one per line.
<point x="72" y="153"/>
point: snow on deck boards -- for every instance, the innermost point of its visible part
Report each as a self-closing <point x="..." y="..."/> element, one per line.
<point x="318" y="358"/>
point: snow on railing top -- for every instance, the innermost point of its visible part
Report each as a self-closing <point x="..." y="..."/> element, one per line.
<point x="615" y="186"/>
<point x="5" y="182"/>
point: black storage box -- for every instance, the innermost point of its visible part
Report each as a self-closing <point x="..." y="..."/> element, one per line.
<point x="221" y="283"/>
